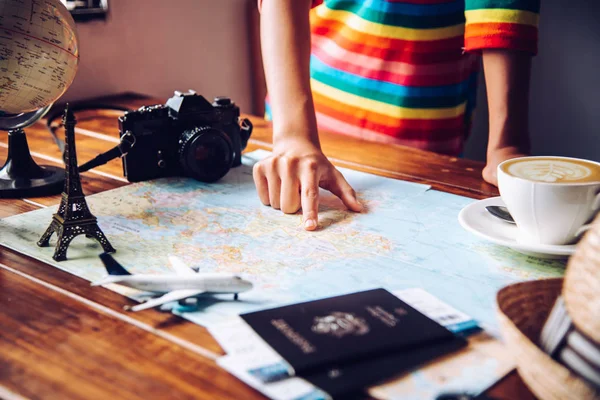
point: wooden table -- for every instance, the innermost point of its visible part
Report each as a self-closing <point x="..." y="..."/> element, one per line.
<point x="62" y="339"/>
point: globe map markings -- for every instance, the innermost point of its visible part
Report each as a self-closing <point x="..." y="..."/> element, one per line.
<point x="39" y="53"/>
<point x="39" y="56"/>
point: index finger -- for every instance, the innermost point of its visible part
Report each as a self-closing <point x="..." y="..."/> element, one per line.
<point x="309" y="198"/>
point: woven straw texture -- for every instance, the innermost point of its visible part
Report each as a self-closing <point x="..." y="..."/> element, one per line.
<point x="522" y="310"/>
<point x="582" y="284"/>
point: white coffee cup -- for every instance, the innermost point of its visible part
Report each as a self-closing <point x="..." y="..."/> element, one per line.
<point x="550" y="198"/>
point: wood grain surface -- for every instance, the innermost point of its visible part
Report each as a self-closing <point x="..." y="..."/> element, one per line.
<point x="62" y="339"/>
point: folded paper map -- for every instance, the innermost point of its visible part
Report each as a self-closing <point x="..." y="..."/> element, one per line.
<point x="408" y="236"/>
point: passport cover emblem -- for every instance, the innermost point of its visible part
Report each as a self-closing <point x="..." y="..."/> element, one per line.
<point x="340" y="324"/>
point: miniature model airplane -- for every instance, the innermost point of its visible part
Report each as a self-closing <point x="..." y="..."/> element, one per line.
<point x="184" y="284"/>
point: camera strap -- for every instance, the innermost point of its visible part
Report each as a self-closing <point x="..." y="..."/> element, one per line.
<point x="125" y="144"/>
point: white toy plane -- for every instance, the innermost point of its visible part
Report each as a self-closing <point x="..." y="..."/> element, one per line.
<point x="180" y="286"/>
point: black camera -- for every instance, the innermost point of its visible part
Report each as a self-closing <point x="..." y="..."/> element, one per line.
<point x="187" y="136"/>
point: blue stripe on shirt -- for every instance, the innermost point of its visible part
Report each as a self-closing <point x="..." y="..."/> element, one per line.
<point x="387" y="87"/>
<point x="403" y="8"/>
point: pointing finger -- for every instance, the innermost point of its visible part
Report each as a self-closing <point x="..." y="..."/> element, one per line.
<point x="309" y="196"/>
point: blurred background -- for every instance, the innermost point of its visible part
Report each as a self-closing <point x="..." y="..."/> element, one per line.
<point x="155" y="47"/>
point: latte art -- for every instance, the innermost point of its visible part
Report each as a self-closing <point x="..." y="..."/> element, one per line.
<point x="553" y="170"/>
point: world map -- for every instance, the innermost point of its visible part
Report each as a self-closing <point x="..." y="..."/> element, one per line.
<point x="39" y="53"/>
<point x="407" y="237"/>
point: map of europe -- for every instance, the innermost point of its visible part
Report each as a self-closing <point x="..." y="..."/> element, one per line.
<point x="408" y="237"/>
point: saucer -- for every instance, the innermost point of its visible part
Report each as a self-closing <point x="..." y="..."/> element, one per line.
<point x="477" y="220"/>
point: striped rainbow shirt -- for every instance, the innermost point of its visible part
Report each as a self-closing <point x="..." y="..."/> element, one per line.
<point x="406" y="71"/>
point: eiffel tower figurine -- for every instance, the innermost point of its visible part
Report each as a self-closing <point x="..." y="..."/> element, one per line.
<point x="73" y="217"/>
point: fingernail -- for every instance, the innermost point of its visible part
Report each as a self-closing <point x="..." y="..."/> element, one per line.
<point x="310" y="224"/>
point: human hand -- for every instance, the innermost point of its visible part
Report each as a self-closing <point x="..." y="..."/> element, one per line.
<point x="289" y="179"/>
<point x="497" y="156"/>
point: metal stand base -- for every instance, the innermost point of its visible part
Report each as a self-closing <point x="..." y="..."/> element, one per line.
<point x="22" y="177"/>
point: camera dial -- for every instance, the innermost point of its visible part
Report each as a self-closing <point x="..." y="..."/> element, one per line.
<point x="205" y="153"/>
<point x="222" y="101"/>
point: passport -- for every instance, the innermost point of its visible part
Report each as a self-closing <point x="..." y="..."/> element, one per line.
<point x="350" y="380"/>
<point x="359" y="334"/>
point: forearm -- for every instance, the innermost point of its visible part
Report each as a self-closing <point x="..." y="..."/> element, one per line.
<point x="507" y="75"/>
<point x="285" y="39"/>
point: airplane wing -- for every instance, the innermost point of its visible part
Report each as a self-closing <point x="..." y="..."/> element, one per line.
<point x="167" y="298"/>
<point x="180" y="267"/>
<point x="110" y="279"/>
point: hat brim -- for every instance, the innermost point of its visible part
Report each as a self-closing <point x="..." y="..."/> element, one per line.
<point x="522" y="311"/>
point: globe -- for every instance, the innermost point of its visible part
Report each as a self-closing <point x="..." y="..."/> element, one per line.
<point x="39" y="54"/>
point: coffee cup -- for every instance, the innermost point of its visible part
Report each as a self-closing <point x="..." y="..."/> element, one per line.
<point x="550" y="198"/>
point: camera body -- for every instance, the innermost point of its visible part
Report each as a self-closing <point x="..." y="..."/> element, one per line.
<point x="187" y="136"/>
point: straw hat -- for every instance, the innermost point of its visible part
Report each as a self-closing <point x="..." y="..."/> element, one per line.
<point x="524" y="307"/>
<point x="582" y="284"/>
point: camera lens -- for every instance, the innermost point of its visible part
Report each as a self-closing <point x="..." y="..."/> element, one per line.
<point x="205" y="154"/>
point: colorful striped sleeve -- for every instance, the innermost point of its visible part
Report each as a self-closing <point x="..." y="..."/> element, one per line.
<point x="502" y="24"/>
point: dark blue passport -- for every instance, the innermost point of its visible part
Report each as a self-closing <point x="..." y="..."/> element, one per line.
<point x="353" y="331"/>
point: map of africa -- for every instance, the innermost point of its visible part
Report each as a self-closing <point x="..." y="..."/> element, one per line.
<point x="38" y="53"/>
<point x="408" y="237"/>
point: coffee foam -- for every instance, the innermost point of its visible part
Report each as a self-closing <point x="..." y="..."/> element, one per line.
<point x="553" y="170"/>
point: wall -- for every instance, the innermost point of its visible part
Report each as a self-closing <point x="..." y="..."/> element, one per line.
<point x="157" y="46"/>
<point x="565" y="87"/>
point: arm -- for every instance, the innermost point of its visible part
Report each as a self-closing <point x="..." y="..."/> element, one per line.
<point x="285" y="42"/>
<point x="291" y="176"/>
<point x="506" y="33"/>
<point x="507" y="80"/>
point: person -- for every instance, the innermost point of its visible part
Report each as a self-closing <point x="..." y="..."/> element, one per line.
<point x="392" y="71"/>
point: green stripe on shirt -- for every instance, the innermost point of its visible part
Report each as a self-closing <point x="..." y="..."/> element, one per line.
<point x="524" y="5"/>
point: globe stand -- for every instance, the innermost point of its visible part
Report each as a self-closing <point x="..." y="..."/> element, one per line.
<point x="21" y="176"/>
